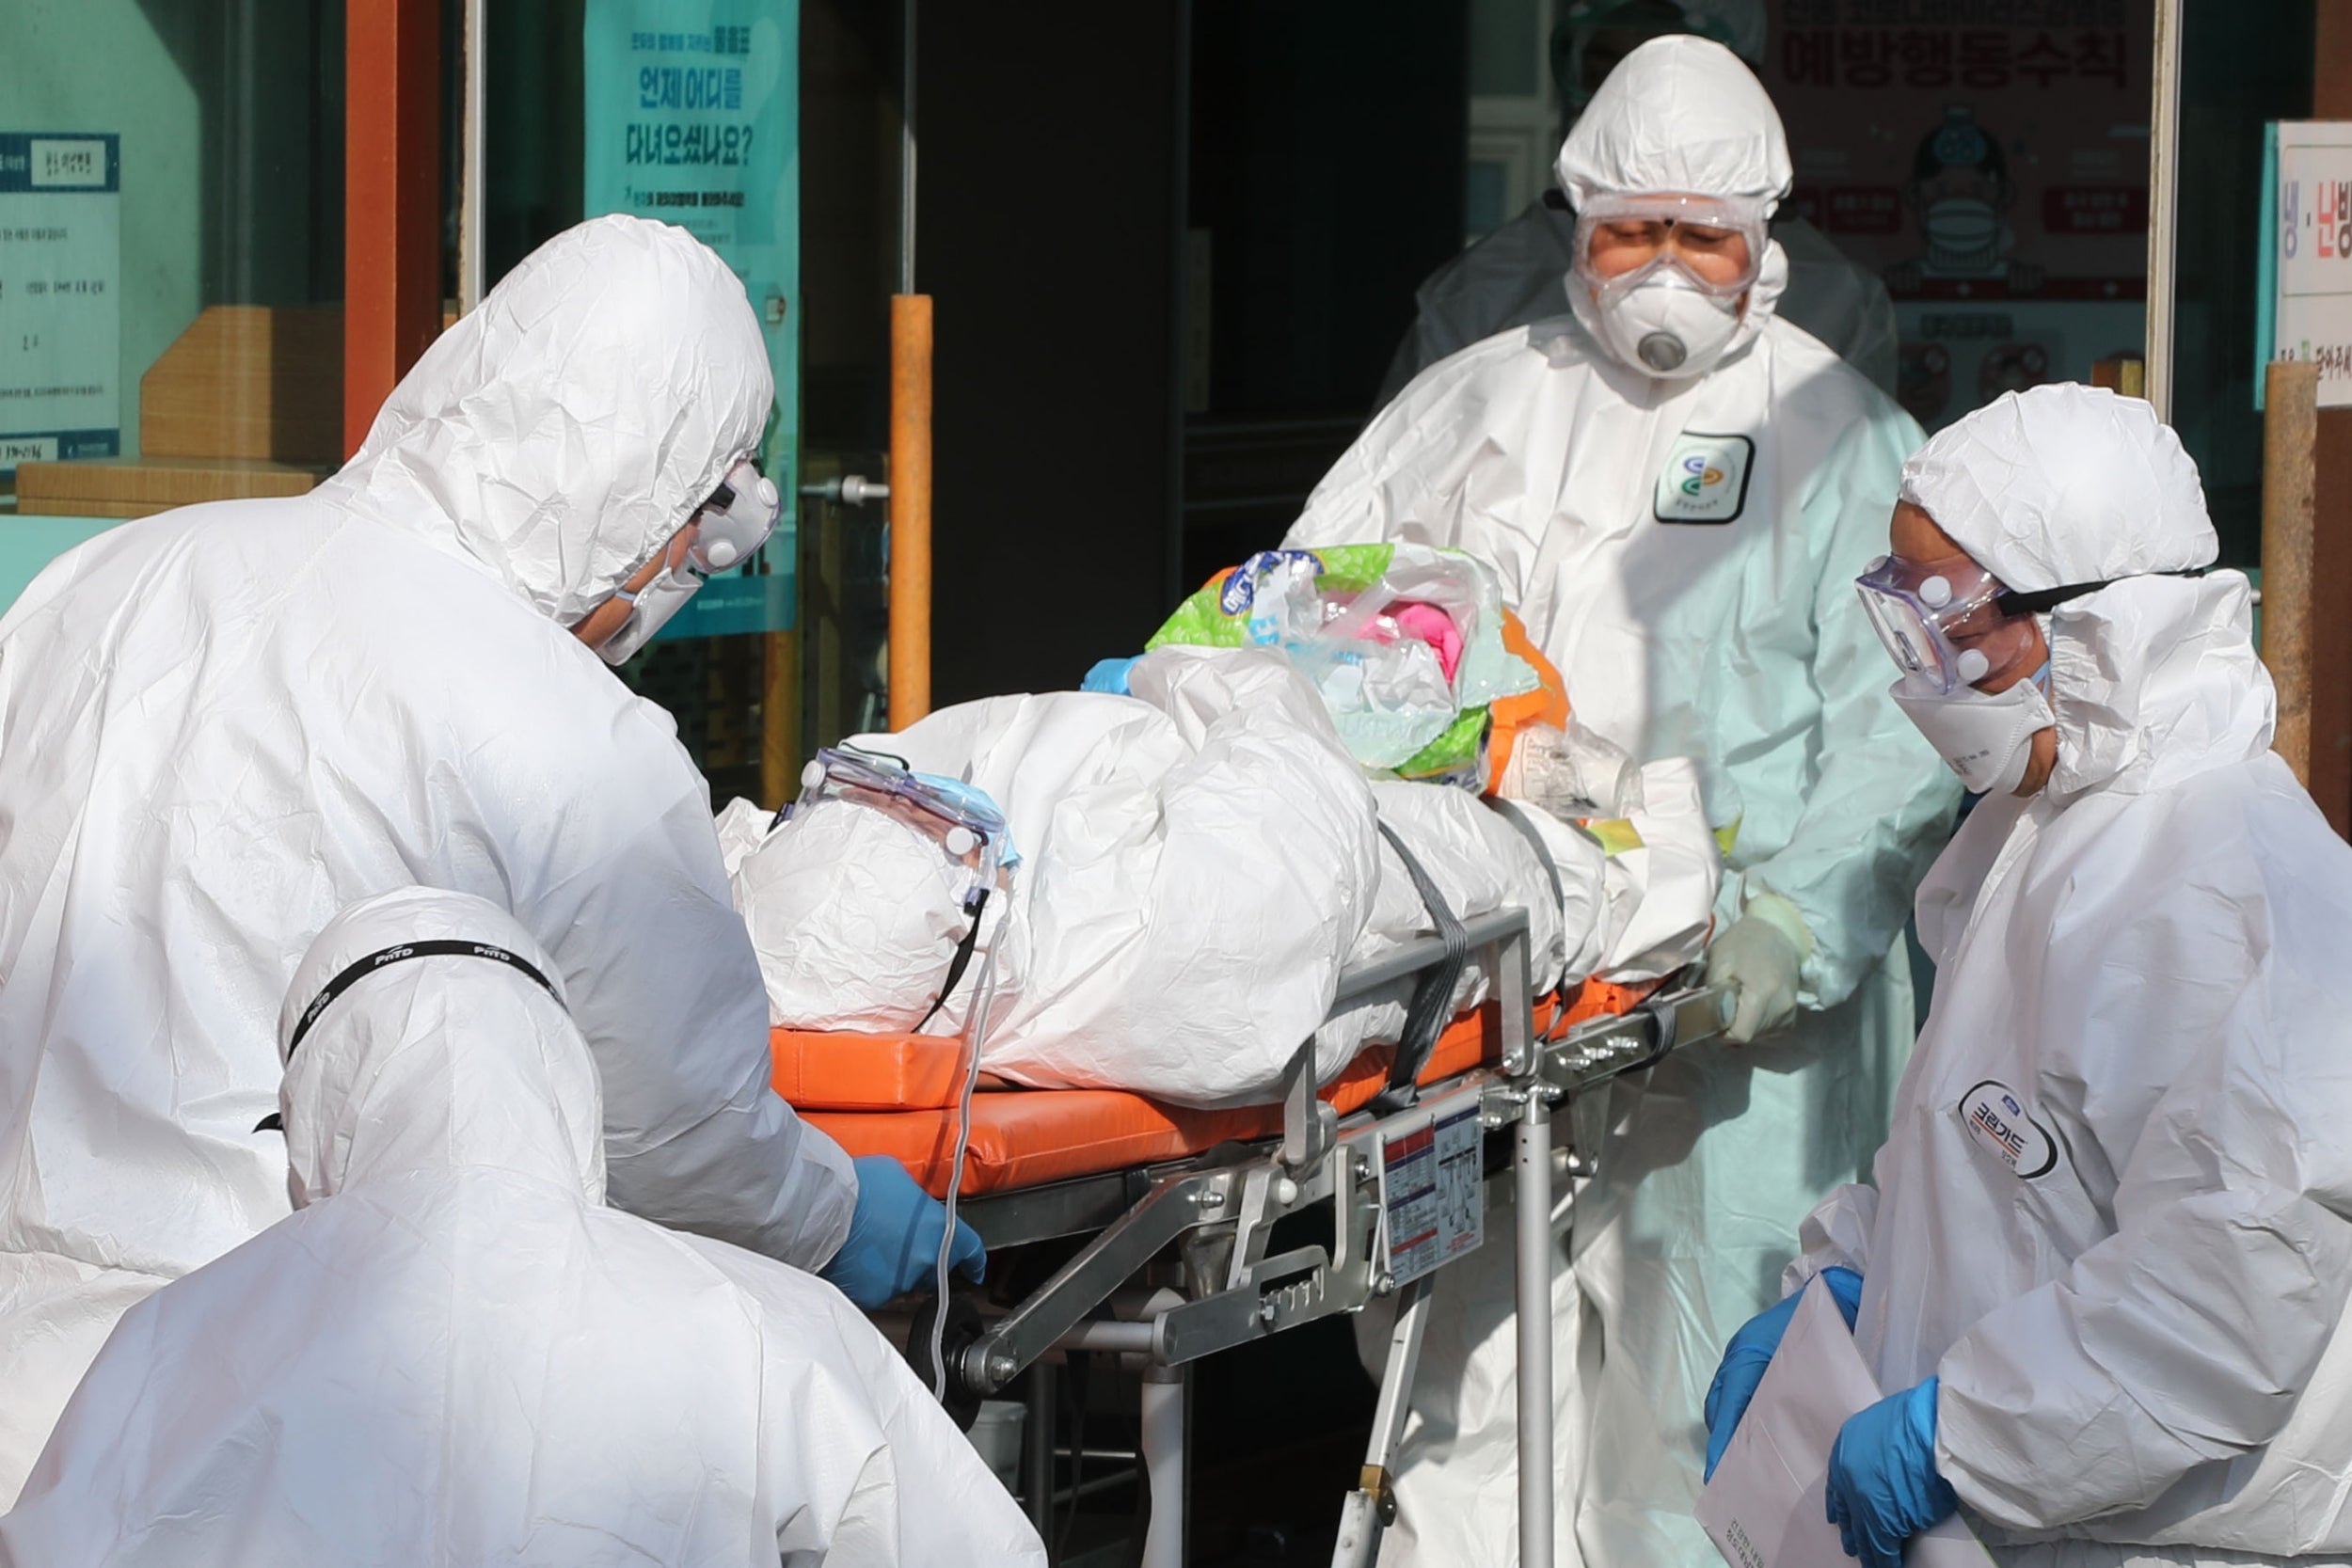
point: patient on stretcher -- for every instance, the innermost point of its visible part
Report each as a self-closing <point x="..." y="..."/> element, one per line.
<point x="1178" y="876"/>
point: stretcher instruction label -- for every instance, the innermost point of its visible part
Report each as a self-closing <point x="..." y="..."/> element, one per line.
<point x="1433" y="1206"/>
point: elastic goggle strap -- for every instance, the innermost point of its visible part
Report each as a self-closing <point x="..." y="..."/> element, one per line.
<point x="401" y="954"/>
<point x="353" y="974"/>
<point x="2010" y="602"/>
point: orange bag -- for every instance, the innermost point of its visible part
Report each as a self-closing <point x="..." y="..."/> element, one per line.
<point x="1546" y="704"/>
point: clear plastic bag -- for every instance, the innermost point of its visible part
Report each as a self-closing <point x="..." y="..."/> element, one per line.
<point x="1571" y="772"/>
<point x="1404" y="644"/>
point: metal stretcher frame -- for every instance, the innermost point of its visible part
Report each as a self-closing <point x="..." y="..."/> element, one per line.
<point x="1215" y="1213"/>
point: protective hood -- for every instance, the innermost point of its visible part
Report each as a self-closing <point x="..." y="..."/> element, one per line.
<point x="1680" y="114"/>
<point x="460" y="1356"/>
<point x="855" y="916"/>
<point x="2155" y="677"/>
<point x="435" y="1063"/>
<point x="2061" y="485"/>
<point x="564" y="428"/>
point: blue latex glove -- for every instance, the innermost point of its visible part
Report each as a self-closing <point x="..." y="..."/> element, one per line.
<point x="893" y="1246"/>
<point x="1884" y="1488"/>
<point x="1751" y="1350"/>
<point x="1110" y="675"/>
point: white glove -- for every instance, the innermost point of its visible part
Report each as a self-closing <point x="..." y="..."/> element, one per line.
<point x="1759" y="959"/>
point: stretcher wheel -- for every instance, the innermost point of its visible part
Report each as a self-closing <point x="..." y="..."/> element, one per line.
<point x="962" y="1404"/>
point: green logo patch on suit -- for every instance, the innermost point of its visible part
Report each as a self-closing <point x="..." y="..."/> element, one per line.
<point x="1705" y="479"/>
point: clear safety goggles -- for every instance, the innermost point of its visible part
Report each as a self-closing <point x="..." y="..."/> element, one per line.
<point x="736" y="520"/>
<point x="968" y="827"/>
<point x="1653" y="221"/>
<point x="732" y="523"/>
<point x="1951" y="623"/>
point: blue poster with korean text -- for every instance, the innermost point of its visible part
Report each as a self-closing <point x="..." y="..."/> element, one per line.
<point x="694" y="118"/>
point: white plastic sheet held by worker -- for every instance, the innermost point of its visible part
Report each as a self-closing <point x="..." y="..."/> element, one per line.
<point x="454" y="1353"/>
<point x="221" y="725"/>
<point x="2115" y="1210"/>
<point x="1679" y="489"/>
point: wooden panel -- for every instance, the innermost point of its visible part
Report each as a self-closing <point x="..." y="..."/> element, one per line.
<point x="251" y="382"/>
<point x="2331" y="52"/>
<point x="2332" y="520"/>
<point x="2331" y="634"/>
<point x="2290" y="441"/>
<point x="51" y="507"/>
<point x="391" y="201"/>
<point x="138" y="487"/>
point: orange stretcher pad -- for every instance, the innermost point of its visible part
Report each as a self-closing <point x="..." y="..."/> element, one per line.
<point x="896" y="1095"/>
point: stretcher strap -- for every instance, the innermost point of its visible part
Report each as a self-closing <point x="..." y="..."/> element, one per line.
<point x="1515" y="813"/>
<point x="1512" y="812"/>
<point x="1432" y="1006"/>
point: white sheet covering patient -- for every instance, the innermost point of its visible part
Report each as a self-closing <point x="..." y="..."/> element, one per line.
<point x="454" y="1353"/>
<point x="1200" y="860"/>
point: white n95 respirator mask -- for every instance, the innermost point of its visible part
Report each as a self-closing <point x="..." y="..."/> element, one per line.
<point x="650" y="609"/>
<point x="732" y="525"/>
<point x="1667" y="323"/>
<point x="1985" y="737"/>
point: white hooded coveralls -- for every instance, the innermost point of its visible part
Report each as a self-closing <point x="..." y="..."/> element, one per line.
<point x="454" y="1353"/>
<point x="221" y="725"/>
<point x="1721" y="626"/>
<point x="2136" y="1309"/>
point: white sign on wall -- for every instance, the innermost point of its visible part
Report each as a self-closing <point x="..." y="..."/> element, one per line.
<point x="2305" y="312"/>
<point x="60" y="297"/>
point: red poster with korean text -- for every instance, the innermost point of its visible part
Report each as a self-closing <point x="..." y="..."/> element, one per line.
<point x="1989" y="159"/>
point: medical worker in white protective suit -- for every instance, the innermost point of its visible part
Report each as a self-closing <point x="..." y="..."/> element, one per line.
<point x="453" y="1352"/>
<point x="1517" y="274"/>
<point x="221" y="725"/>
<point x="1679" y="489"/>
<point x="2106" y="1253"/>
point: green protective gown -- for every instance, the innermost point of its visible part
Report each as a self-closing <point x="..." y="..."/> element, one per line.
<point x="1686" y="553"/>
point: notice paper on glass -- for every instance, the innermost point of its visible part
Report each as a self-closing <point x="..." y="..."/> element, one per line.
<point x="1767" y="1506"/>
<point x="60" y="297"/>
